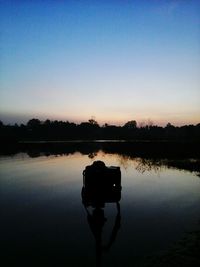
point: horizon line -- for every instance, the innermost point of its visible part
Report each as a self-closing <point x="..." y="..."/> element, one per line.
<point x="139" y="123"/>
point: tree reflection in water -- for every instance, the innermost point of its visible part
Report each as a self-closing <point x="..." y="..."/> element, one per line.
<point x="143" y="164"/>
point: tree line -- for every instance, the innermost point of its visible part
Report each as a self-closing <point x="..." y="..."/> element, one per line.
<point x="37" y="130"/>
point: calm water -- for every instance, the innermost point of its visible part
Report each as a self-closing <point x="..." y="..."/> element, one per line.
<point x="43" y="220"/>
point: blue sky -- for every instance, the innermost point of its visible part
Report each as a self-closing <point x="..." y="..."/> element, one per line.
<point x="115" y="60"/>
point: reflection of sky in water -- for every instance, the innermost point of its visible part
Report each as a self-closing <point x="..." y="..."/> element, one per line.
<point x="41" y="204"/>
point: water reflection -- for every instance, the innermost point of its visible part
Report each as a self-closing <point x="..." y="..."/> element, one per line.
<point x="152" y="154"/>
<point x="101" y="185"/>
<point x="43" y="211"/>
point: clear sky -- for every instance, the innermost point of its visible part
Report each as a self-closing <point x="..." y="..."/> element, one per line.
<point x="116" y="60"/>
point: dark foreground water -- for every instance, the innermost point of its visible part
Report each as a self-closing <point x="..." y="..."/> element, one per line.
<point x="44" y="223"/>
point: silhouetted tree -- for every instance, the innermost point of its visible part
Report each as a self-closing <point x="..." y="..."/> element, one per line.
<point x="169" y="125"/>
<point x="60" y="130"/>
<point x="93" y="122"/>
<point x="47" y="122"/>
<point x="131" y="124"/>
<point x="33" y="123"/>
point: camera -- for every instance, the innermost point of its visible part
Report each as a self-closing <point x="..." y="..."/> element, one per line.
<point x="101" y="184"/>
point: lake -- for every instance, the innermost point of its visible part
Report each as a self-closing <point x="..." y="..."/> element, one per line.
<point x="44" y="222"/>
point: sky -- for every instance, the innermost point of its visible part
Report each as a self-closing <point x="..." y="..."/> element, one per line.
<point x="113" y="60"/>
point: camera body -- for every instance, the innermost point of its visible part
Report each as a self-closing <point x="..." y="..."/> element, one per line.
<point x="101" y="184"/>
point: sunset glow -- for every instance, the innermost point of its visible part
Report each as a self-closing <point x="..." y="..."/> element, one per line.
<point x="114" y="60"/>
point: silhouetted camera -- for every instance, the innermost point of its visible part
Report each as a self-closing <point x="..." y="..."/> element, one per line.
<point x="101" y="184"/>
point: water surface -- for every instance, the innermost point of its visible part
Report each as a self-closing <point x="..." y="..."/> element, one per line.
<point x="43" y="220"/>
